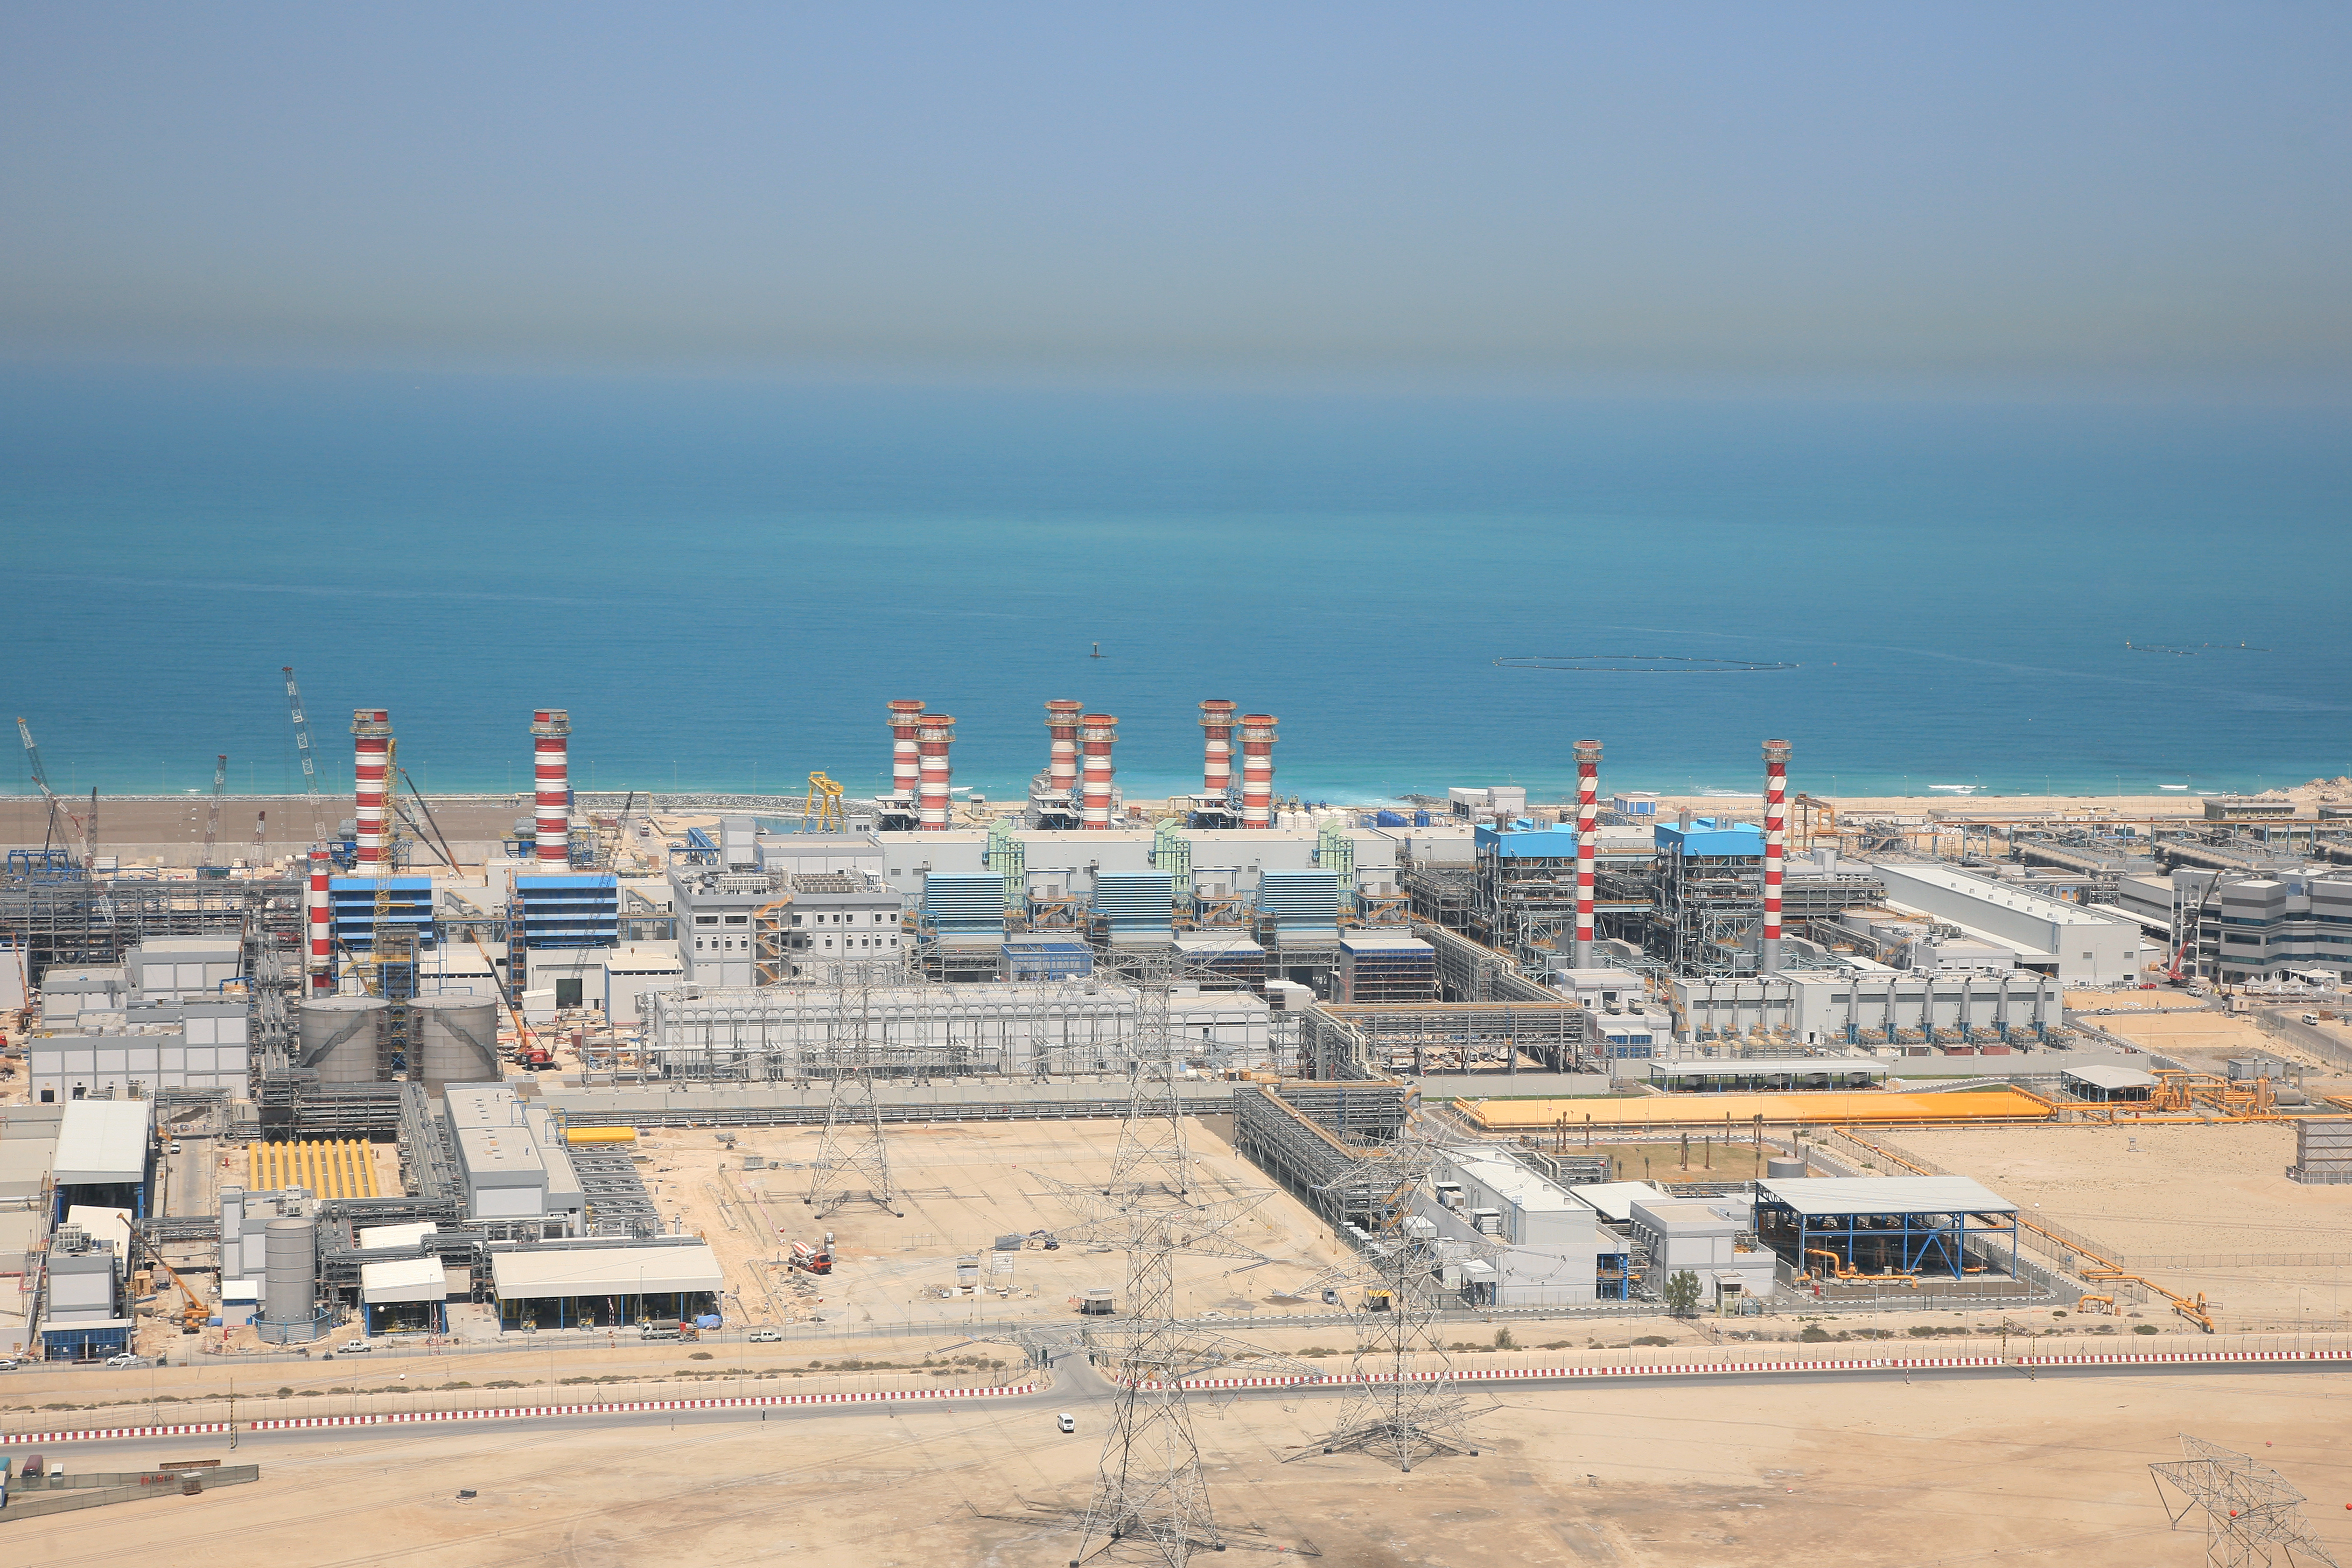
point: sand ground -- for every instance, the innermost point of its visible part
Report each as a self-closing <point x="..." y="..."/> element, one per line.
<point x="2208" y="1207"/>
<point x="963" y="1187"/>
<point x="1923" y="1475"/>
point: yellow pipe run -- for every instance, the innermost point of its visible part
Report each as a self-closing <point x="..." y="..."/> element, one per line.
<point x="600" y="1135"/>
<point x="1739" y="1111"/>
<point x="339" y="1168"/>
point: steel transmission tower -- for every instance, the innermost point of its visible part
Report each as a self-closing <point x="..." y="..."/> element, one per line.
<point x="1406" y="1405"/>
<point x="2253" y="1516"/>
<point x="1151" y="1154"/>
<point x="852" y="1161"/>
<point x="1149" y="1493"/>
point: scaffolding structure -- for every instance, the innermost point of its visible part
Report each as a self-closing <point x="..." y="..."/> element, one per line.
<point x="1344" y="1040"/>
<point x="88" y="922"/>
<point x="1708" y="912"/>
<point x="779" y="1034"/>
<point x="1308" y="1136"/>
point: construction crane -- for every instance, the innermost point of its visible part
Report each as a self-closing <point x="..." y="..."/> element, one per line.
<point x="212" y="813"/>
<point x="388" y="943"/>
<point x="302" y="750"/>
<point x="2194" y="929"/>
<point x="823" y="811"/>
<point x="57" y="808"/>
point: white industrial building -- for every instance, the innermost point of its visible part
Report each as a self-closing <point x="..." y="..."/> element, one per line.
<point x="776" y="904"/>
<point x="1873" y="1004"/>
<point x="1513" y="1238"/>
<point x="163" y="1020"/>
<point x="511" y="1159"/>
<point x="1711" y="1239"/>
<point x="190" y="1045"/>
<point x="183" y="968"/>
<point x="990" y="1026"/>
<point x="2074" y="943"/>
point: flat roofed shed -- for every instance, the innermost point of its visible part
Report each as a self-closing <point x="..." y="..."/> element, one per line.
<point x="102" y="1142"/>
<point x="1885" y="1194"/>
<point x="2109" y="1078"/>
<point x="544" y="1271"/>
<point x="1873" y="1229"/>
<point x="1792" y="1072"/>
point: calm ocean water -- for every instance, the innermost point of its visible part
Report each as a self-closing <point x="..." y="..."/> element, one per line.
<point x="724" y="582"/>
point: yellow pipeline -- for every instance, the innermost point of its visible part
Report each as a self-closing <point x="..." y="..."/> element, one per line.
<point x="342" y="1168"/>
<point x="600" y="1135"/>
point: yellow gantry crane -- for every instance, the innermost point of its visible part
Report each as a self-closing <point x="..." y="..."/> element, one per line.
<point x="823" y="811"/>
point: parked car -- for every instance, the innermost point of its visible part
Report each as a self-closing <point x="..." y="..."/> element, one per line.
<point x="125" y="1358"/>
<point x="174" y="1148"/>
<point x="8" y="1366"/>
<point x="767" y="1336"/>
<point x="1067" y="1422"/>
<point x="357" y="1347"/>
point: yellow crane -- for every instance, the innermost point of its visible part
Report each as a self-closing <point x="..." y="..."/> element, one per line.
<point x="822" y="814"/>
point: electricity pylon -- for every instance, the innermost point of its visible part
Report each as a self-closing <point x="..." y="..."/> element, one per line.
<point x="1151" y="1154"/>
<point x="1405" y="1405"/>
<point x="2251" y="1510"/>
<point x="1149" y="1493"/>
<point x="852" y="1161"/>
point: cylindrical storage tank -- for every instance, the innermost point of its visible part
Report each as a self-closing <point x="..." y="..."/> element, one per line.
<point x="290" y="1281"/>
<point x="455" y="1040"/>
<point x="341" y="1038"/>
<point x="1777" y="1168"/>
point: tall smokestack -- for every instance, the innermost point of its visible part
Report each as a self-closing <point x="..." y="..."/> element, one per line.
<point x="550" y="747"/>
<point x="1587" y="816"/>
<point x="1776" y="836"/>
<point x="322" y="942"/>
<point x="1257" y="770"/>
<point x="933" y="731"/>
<point x="1062" y="724"/>
<point x="905" y="770"/>
<point x="370" y="746"/>
<point x="1096" y="731"/>
<point x="1217" y="758"/>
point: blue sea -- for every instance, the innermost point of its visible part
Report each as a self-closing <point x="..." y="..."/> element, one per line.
<point x="725" y="580"/>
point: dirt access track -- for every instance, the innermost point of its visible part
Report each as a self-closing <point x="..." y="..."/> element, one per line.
<point x="1934" y="1472"/>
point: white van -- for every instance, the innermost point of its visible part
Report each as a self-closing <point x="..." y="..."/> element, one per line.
<point x="1067" y="1422"/>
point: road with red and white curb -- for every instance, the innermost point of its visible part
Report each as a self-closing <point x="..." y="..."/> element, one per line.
<point x="1776" y="1368"/>
<point x="2216" y="1360"/>
<point x="520" y="1413"/>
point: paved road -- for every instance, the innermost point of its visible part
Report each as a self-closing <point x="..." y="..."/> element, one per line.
<point x="2287" y="1024"/>
<point x="1079" y="1389"/>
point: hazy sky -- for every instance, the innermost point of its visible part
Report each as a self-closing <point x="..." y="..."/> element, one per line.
<point x="2126" y="190"/>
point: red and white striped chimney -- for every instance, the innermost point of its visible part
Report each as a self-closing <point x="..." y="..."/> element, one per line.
<point x="1217" y="759"/>
<point x="1257" y="770"/>
<point x="1062" y="768"/>
<point x="1096" y="732"/>
<point x="551" y="759"/>
<point x="371" y="760"/>
<point x="933" y="731"/>
<point x="1775" y="840"/>
<point x="906" y="768"/>
<point x="1588" y="817"/>
<point x="322" y="942"/>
